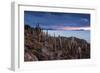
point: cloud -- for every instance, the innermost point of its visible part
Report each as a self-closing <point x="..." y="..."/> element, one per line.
<point x="54" y="20"/>
<point x="72" y="28"/>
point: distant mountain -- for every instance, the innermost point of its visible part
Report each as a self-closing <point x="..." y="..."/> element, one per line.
<point x="39" y="46"/>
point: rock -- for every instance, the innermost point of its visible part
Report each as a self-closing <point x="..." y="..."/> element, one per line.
<point x="48" y="47"/>
<point x="28" y="56"/>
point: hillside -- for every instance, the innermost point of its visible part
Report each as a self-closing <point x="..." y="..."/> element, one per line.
<point x="40" y="46"/>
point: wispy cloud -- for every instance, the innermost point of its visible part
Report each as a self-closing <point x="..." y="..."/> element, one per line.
<point x="66" y="28"/>
<point x="51" y="19"/>
<point x="75" y="28"/>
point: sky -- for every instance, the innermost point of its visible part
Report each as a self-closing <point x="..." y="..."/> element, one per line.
<point x="63" y="24"/>
<point x="57" y="21"/>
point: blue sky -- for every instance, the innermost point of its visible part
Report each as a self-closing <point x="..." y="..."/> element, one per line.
<point x="60" y="23"/>
<point x="55" y="20"/>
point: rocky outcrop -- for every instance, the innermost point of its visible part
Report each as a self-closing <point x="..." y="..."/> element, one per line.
<point x="40" y="46"/>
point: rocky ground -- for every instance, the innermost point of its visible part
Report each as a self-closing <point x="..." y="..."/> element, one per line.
<point x="39" y="46"/>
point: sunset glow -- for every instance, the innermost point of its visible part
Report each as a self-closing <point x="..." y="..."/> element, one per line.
<point x="75" y="28"/>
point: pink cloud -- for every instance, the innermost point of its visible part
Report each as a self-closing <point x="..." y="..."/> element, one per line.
<point x="73" y="28"/>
